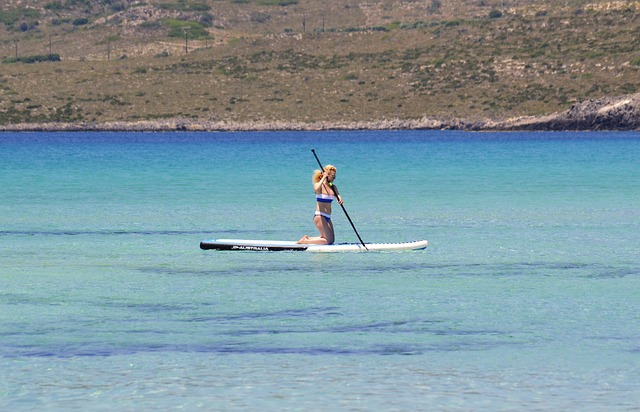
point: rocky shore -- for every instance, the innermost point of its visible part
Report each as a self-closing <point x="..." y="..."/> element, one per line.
<point x="615" y="113"/>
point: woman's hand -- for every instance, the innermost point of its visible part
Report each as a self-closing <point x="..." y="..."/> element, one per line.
<point x="340" y="201"/>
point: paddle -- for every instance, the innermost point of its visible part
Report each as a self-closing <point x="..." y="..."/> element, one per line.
<point x="335" y="189"/>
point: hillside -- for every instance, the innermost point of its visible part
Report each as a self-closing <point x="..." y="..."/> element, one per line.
<point x="310" y="61"/>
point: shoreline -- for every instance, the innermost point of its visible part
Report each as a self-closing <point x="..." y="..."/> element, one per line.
<point x="608" y="114"/>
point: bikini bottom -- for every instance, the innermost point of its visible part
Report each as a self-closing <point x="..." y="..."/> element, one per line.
<point x="324" y="215"/>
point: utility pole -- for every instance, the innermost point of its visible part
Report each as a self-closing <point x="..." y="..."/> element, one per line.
<point x="186" y="39"/>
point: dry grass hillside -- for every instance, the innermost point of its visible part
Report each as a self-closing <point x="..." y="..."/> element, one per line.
<point x="311" y="60"/>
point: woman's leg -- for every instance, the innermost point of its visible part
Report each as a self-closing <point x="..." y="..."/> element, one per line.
<point x="326" y="232"/>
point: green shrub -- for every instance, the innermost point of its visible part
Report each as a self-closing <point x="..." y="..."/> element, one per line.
<point x="628" y="88"/>
<point x="452" y="23"/>
<point x="151" y="25"/>
<point x="81" y="21"/>
<point x="54" y="6"/>
<point x="58" y="22"/>
<point x="260" y="17"/>
<point x="184" y="6"/>
<point x="11" y="17"/>
<point x="282" y="3"/>
<point x="33" y="59"/>
<point x="178" y="27"/>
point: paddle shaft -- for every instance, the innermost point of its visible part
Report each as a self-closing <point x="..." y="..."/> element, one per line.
<point x="335" y="189"/>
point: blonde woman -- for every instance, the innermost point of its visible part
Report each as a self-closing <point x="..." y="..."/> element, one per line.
<point x="326" y="193"/>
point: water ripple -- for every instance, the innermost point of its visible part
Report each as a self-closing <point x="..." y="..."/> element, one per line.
<point x="89" y="350"/>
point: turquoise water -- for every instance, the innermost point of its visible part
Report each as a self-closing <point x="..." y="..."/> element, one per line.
<point x="526" y="299"/>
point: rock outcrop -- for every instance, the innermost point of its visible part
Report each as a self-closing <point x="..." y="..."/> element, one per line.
<point x="617" y="113"/>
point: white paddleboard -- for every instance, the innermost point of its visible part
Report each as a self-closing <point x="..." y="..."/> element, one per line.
<point x="280" y="245"/>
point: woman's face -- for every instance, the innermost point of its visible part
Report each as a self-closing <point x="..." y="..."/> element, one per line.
<point x="331" y="175"/>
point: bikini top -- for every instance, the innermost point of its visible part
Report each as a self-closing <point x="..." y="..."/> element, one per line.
<point x="321" y="197"/>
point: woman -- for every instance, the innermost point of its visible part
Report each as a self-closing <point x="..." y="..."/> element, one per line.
<point x="325" y="194"/>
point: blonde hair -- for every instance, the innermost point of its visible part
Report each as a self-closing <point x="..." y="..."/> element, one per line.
<point x="317" y="174"/>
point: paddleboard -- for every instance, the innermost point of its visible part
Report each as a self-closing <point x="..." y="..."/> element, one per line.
<point x="280" y="245"/>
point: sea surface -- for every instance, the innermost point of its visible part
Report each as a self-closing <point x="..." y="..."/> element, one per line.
<point x="527" y="298"/>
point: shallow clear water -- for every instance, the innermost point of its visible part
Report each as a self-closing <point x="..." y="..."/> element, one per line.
<point x="526" y="298"/>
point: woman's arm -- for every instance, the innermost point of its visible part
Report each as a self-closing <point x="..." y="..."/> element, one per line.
<point x="335" y="191"/>
<point x="317" y="187"/>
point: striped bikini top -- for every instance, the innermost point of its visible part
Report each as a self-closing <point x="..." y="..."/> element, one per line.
<point x="321" y="197"/>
